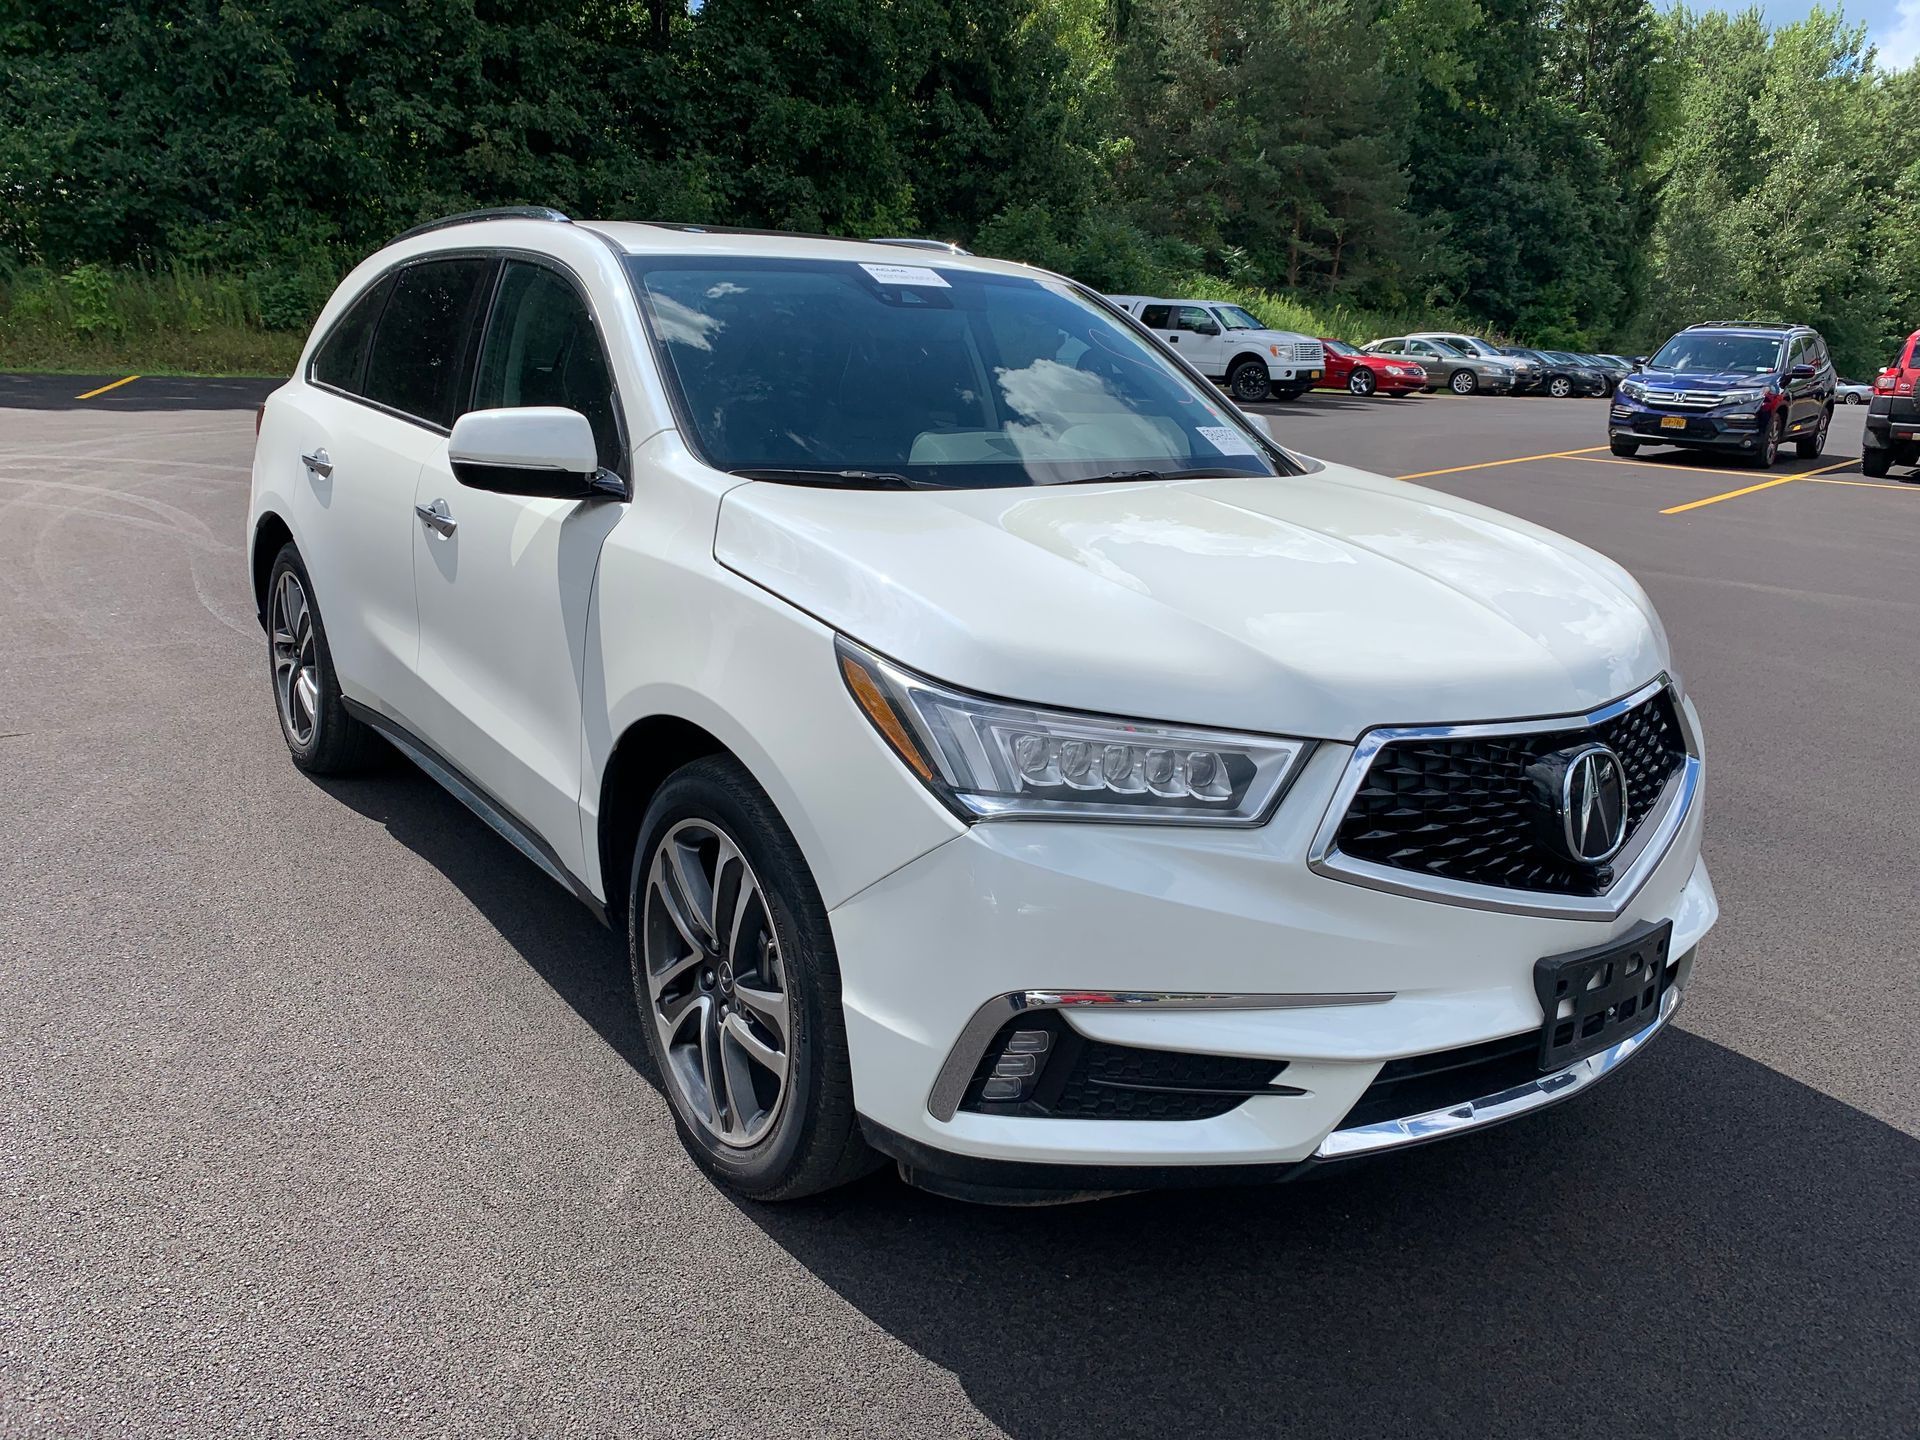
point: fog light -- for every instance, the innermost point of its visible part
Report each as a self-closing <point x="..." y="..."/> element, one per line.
<point x="1013" y="1072"/>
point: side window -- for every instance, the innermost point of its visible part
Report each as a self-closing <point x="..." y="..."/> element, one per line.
<point x="420" y="349"/>
<point x="1387" y="347"/>
<point x="1157" y="317"/>
<point x="541" y="349"/>
<point x="1797" y="353"/>
<point x="1195" y="319"/>
<point x="1420" y="347"/>
<point x="342" y="357"/>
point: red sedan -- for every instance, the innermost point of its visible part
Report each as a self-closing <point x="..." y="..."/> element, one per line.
<point x="1356" y="371"/>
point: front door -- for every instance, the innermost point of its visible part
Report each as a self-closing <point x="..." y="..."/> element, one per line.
<point x="503" y="582"/>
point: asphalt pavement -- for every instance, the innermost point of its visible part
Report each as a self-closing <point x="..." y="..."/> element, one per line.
<point x="326" y="1114"/>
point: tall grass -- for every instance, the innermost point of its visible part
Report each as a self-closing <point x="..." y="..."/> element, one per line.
<point x="1316" y="315"/>
<point x="179" y="320"/>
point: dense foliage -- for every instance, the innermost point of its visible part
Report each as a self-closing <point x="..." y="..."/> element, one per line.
<point x="1571" y="171"/>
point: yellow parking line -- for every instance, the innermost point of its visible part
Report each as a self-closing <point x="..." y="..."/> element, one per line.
<point x="1652" y="464"/>
<point x="1489" y="464"/>
<point x="1752" y="489"/>
<point x="104" y="388"/>
<point x="1866" y="484"/>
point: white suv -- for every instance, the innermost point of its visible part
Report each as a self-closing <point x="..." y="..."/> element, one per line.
<point x="1230" y="345"/>
<point x="1001" y="756"/>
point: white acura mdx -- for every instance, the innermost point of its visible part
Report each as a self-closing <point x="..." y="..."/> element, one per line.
<point x="1001" y="755"/>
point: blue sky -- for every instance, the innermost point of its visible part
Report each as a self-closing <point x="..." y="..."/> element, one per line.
<point x="1892" y="25"/>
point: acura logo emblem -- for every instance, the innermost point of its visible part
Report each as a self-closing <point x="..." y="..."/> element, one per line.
<point x="1582" y="800"/>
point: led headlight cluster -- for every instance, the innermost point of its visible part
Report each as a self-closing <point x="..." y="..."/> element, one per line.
<point x="1743" y="397"/>
<point x="991" y="759"/>
<point x="1633" y="389"/>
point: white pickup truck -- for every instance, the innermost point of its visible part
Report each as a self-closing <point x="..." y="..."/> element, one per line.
<point x="1225" y="343"/>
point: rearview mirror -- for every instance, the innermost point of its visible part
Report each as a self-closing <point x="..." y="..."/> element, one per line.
<point x="542" y="451"/>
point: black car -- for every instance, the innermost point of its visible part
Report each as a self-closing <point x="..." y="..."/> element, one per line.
<point x="1561" y="374"/>
<point x="1747" y="387"/>
<point x="1615" y="367"/>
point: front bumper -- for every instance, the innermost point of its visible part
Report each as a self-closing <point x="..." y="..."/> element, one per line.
<point x="1279" y="373"/>
<point x="1727" y="428"/>
<point x="1331" y="978"/>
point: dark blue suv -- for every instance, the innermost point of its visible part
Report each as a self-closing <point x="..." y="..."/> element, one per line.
<point x="1745" y="388"/>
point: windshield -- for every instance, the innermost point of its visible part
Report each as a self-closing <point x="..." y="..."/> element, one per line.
<point x="843" y="373"/>
<point x="1339" y="347"/>
<point x="1688" y="353"/>
<point x="1234" y="318"/>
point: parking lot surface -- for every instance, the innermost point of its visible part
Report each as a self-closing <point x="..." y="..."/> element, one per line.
<point x="327" y="1114"/>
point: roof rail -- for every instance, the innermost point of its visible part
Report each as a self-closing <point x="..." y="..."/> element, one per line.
<point x="473" y="217"/>
<point x="915" y="243"/>
<point x="1748" y="325"/>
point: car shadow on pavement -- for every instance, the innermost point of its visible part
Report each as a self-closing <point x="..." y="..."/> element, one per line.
<point x="1700" y="1246"/>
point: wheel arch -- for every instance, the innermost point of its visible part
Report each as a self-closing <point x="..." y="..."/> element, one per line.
<point x="647" y="752"/>
<point x="1245" y="355"/>
<point x="270" y="534"/>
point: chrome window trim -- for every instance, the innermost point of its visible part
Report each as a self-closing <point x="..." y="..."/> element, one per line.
<point x="1492" y="1109"/>
<point x="1643" y="853"/>
<point x="956" y="1072"/>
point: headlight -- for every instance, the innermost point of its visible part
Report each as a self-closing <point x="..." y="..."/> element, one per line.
<point x="1632" y="389"/>
<point x="1743" y="397"/>
<point x="989" y="759"/>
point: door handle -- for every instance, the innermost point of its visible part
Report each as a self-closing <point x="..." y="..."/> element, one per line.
<point x="1173" y="339"/>
<point x="319" y="462"/>
<point x="437" y="517"/>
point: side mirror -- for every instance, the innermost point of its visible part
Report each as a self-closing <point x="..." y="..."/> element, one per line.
<point x="1209" y="328"/>
<point x="1638" y="361"/>
<point x="541" y="451"/>
<point x="1802" y="372"/>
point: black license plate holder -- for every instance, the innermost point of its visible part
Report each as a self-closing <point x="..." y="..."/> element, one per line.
<point x="1592" y="999"/>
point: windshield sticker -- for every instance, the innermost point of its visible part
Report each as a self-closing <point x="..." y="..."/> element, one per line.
<point x="905" y="275"/>
<point x="1226" y="440"/>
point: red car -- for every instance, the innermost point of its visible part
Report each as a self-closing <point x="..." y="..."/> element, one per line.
<point x="1897" y="379"/>
<point x="1356" y="371"/>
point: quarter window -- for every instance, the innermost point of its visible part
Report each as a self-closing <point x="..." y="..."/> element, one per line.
<point x="342" y="357"/>
<point x="419" y="351"/>
<point x="541" y="349"/>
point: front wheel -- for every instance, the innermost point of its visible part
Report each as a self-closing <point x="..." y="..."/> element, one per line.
<point x="1810" y="446"/>
<point x="1463" y="382"/>
<point x="1248" y="381"/>
<point x="1361" y="381"/>
<point x="1853" y="399"/>
<point x="738" y="986"/>
<point x="1559" y="387"/>
<point x="1769" y="451"/>
<point x="1625" y="449"/>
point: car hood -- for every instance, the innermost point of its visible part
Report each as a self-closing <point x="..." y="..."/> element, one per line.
<point x="1722" y="380"/>
<point x="1316" y="605"/>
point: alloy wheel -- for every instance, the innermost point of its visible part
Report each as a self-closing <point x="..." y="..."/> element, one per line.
<point x="296" y="661"/>
<point x="1559" y="387"/>
<point x="716" y="983"/>
<point x="1361" y="381"/>
<point x="1464" y="382"/>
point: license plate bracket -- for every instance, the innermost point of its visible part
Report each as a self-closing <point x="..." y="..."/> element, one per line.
<point x="1592" y="999"/>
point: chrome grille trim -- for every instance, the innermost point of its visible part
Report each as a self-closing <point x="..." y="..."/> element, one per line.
<point x="1634" y="865"/>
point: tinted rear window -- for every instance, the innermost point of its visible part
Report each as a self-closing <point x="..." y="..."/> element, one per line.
<point x="342" y="356"/>
<point x="419" y="351"/>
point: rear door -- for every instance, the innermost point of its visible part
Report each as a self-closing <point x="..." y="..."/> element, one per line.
<point x="503" y="595"/>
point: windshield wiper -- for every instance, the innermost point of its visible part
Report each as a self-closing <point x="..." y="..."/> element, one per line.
<point x="1210" y="474"/>
<point x="851" y="479"/>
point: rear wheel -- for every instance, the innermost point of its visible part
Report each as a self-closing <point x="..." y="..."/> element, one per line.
<point x="1248" y="381"/>
<point x="1626" y="449"/>
<point x="1875" y="463"/>
<point x="1361" y="381"/>
<point x="1808" y="447"/>
<point x="1463" y="382"/>
<point x="738" y="986"/>
<point x="321" y="736"/>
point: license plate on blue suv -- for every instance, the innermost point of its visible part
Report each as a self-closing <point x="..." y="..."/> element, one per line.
<point x="1673" y="422"/>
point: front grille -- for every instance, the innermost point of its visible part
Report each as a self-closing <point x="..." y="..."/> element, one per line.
<point x="1685" y="399"/>
<point x="1082" y="1079"/>
<point x="1459" y="808"/>
<point x="1305" y="352"/>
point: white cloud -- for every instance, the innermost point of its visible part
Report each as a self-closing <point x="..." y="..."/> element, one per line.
<point x="1899" y="46"/>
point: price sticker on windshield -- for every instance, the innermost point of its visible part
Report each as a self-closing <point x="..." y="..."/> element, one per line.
<point x="1226" y="440"/>
<point x="906" y="275"/>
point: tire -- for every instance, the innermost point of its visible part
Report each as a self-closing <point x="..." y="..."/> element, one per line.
<point x="1362" y="382"/>
<point x="1810" y="447"/>
<point x="321" y="736"/>
<point x="1625" y="449"/>
<point x="1852" y="399"/>
<point x="1769" y="451"/>
<point x="802" y="1136"/>
<point x="1875" y="463"/>
<point x="1248" y="381"/>
<point x="1559" y="387"/>
<point x="1463" y="382"/>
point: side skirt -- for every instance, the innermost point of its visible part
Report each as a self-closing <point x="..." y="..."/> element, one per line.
<point x="502" y="821"/>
